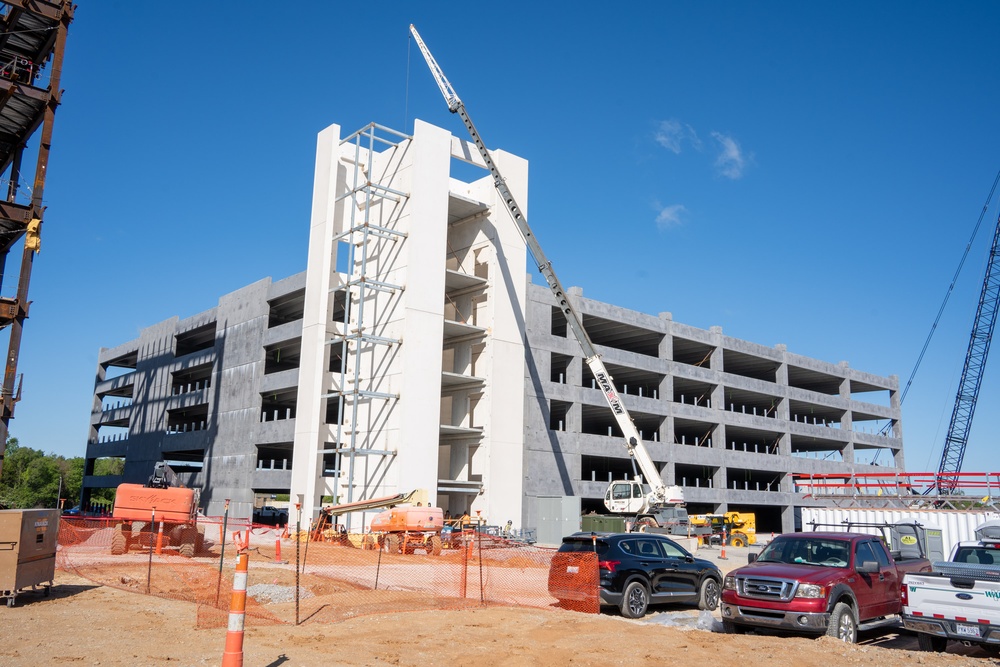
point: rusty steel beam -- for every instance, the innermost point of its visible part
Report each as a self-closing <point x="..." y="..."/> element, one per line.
<point x="8" y="398"/>
<point x="7" y="26"/>
<point x="56" y="10"/>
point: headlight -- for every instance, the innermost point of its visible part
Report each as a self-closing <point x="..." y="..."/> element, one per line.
<point x="810" y="591"/>
<point x="729" y="583"/>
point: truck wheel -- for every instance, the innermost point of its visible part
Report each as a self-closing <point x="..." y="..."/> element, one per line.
<point x="934" y="643"/>
<point x="991" y="650"/>
<point x="635" y="600"/>
<point x="843" y="624"/>
<point x="433" y="545"/>
<point x="118" y="543"/>
<point x="392" y="544"/>
<point x="738" y="541"/>
<point x="368" y="542"/>
<point x="709" y="594"/>
<point x="731" y="628"/>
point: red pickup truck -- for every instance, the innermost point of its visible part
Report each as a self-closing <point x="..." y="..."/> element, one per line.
<point x="816" y="583"/>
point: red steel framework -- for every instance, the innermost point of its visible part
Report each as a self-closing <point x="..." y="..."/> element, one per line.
<point x="903" y="489"/>
<point x="32" y="42"/>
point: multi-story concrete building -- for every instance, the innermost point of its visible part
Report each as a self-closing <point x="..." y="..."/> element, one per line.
<point x="415" y="352"/>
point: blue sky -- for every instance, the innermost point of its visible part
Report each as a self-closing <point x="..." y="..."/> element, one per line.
<point x="796" y="173"/>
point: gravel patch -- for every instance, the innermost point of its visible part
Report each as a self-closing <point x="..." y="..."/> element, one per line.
<point x="275" y="594"/>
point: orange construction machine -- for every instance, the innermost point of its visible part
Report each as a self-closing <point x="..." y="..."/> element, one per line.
<point x="141" y="508"/>
<point x="406" y="529"/>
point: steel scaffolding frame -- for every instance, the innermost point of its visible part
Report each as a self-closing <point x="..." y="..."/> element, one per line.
<point x="361" y="197"/>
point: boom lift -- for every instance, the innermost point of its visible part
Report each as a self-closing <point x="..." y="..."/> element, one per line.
<point x="661" y="506"/>
<point x="139" y="507"/>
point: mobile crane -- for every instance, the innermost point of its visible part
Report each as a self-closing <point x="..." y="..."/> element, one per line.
<point x="662" y="507"/>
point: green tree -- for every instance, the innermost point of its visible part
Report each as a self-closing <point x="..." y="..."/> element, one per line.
<point x="106" y="466"/>
<point x="30" y="478"/>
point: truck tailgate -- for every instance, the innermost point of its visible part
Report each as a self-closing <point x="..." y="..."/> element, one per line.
<point x="958" y="594"/>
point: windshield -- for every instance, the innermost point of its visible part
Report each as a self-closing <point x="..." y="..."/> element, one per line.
<point x="980" y="555"/>
<point x="807" y="551"/>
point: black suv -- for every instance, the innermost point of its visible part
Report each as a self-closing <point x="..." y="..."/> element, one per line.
<point x="635" y="570"/>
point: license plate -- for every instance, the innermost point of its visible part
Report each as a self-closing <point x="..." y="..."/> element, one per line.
<point x="572" y="569"/>
<point x="967" y="630"/>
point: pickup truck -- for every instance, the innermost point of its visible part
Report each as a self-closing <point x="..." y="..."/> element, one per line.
<point x="818" y="583"/>
<point x="959" y="600"/>
<point x="271" y="516"/>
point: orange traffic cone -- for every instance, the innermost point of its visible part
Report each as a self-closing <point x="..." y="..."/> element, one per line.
<point x="277" y="551"/>
<point x="232" y="656"/>
<point x="722" y="555"/>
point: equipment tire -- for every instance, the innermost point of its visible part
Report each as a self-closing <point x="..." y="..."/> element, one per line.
<point x="934" y="643"/>
<point x="635" y="600"/>
<point x="368" y="542"/>
<point x="199" y="541"/>
<point x="119" y="544"/>
<point x="391" y="544"/>
<point x="188" y="540"/>
<point x="433" y="545"/>
<point x="991" y="650"/>
<point x="843" y="624"/>
<point x="738" y="541"/>
<point x="731" y="628"/>
<point x="709" y="594"/>
<point x="643" y="523"/>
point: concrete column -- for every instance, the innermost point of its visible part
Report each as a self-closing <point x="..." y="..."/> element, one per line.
<point x="787" y="519"/>
<point x="666" y="347"/>
<point x="322" y="259"/>
<point x="719" y="435"/>
<point x="717" y="353"/>
<point x="718" y="398"/>
<point x="574" y="418"/>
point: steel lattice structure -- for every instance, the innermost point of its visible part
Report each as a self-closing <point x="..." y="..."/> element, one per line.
<point x="972" y="373"/>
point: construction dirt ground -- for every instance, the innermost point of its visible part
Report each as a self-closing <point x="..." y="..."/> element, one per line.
<point x="88" y="624"/>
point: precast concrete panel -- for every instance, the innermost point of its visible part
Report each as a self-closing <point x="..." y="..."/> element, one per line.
<point x="316" y="325"/>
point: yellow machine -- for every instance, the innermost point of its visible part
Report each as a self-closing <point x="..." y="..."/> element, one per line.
<point x="740" y="528"/>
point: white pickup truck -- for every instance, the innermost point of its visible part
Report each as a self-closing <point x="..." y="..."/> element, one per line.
<point x="959" y="600"/>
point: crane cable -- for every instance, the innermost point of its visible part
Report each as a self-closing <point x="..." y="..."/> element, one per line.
<point x="951" y="288"/>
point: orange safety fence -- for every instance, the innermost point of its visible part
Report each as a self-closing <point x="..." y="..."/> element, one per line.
<point x="343" y="576"/>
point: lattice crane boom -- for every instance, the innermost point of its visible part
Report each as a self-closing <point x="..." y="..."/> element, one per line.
<point x="972" y="372"/>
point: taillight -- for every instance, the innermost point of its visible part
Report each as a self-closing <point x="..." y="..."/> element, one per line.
<point x="903" y="596"/>
<point x="608" y="565"/>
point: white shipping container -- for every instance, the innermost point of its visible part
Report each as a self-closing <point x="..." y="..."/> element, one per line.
<point x="955" y="525"/>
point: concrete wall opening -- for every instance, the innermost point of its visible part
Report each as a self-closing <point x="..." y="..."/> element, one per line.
<point x="286" y="308"/>
<point x="186" y="380"/>
<point x="195" y="340"/>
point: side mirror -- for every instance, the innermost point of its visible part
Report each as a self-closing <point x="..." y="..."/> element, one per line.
<point x="867" y="567"/>
<point x="751" y="557"/>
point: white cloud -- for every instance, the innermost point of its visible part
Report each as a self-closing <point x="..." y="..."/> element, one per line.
<point x="669" y="216"/>
<point x="671" y="134"/>
<point x="730" y="162"/>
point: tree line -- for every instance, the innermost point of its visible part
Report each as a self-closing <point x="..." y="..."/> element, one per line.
<point x="30" y="478"/>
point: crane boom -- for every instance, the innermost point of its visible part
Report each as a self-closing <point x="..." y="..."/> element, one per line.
<point x="972" y="373"/>
<point x="633" y="441"/>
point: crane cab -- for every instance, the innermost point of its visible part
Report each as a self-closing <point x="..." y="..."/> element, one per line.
<point x="625" y="497"/>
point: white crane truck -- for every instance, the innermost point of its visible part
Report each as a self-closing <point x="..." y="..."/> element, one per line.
<point x="661" y="507"/>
